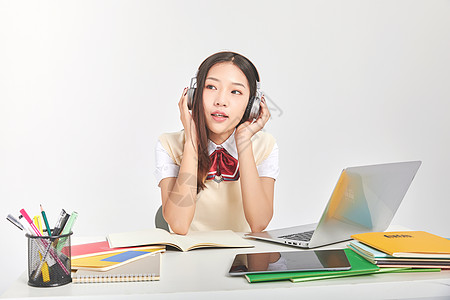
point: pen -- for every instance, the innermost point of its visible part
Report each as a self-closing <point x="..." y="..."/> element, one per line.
<point x="52" y="253"/>
<point x="15" y="222"/>
<point x="63" y="217"/>
<point x="44" y="216"/>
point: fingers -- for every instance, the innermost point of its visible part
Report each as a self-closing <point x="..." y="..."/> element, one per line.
<point x="264" y="115"/>
<point x="185" y="115"/>
<point x="183" y="99"/>
<point x="247" y="129"/>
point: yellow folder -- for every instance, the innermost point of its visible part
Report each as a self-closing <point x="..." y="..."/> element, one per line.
<point x="407" y="243"/>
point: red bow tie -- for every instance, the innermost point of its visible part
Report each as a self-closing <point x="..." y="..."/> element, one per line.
<point x="223" y="166"/>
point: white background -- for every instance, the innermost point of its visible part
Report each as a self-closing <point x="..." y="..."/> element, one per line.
<point x="86" y="87"/>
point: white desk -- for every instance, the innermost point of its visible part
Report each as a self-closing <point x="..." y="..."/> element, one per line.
<point x="202" y="273"/>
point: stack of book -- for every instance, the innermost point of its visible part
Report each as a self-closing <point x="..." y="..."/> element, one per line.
<point x="379" y="252"/>
<point x="413" y="249"/>
<point x="97" y="262"/>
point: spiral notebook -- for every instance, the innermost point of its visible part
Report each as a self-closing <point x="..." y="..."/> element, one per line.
<point x="145" y="269"/>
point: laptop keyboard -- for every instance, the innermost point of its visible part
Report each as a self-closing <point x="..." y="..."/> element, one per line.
<point x="302" y="236"/>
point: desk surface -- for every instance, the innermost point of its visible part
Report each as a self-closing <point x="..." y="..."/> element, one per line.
<point x="203" y="272"/>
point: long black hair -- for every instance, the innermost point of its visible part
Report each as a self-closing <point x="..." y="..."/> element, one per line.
<point x="198" y="113"/>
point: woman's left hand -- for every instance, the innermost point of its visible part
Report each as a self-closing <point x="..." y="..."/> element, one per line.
<point x="246" y="130"/>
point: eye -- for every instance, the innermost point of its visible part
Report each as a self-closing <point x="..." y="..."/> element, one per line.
<point x="236" y="92"/>
<point x="210" y="87"/>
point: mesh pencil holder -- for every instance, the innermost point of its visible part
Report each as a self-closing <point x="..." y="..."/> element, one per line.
<point x="49" y="261"/>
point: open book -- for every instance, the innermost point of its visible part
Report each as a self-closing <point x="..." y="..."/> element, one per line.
<point x="193" y="240"/>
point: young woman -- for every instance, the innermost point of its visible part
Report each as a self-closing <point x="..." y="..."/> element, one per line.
<point x="219" y="172"/>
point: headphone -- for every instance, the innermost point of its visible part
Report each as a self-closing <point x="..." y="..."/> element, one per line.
<point x="253" y="106"/>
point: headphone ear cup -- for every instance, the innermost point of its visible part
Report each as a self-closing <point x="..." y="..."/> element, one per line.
<point x="190" y="100"/>
<point x="248" y="109"/>
<point x="254" y="108"/>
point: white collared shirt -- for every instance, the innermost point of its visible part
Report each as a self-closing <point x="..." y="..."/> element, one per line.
<point x="166" y="167"/>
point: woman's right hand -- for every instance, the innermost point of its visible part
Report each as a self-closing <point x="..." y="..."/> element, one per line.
<point x="186" y="118"/>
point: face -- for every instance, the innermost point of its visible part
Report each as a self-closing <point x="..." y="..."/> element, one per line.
<point x="225" y="98"/>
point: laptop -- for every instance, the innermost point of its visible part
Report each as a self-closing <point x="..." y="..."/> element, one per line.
<point x="365" y="199"/>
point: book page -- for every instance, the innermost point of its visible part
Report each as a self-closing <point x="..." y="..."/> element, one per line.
<point x="194" y="239"/>
<point x="218" y="238"/>
<point x="152" y="236"/>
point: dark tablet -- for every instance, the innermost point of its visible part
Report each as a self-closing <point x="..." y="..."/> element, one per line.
<point x="290" y="261"/>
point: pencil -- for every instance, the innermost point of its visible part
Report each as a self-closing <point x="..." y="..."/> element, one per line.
<point x="49" y="232"/>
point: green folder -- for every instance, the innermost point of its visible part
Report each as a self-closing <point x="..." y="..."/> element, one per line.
<point x="381" y="270"/>
<point x="359" y="266"/>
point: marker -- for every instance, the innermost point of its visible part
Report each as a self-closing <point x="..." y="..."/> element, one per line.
<point x="70" y="222"/>
<point x="44" y="216"/>
<point x="27" y="217"/>
<point x="67" y="229"/>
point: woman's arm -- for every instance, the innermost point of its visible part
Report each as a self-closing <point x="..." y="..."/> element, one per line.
<point x="179" y="194"/>
<point x="257" y="192"/>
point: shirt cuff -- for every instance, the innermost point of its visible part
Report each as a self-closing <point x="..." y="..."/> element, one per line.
<point x="165" y="166"/>
<point x="270" y="167"/>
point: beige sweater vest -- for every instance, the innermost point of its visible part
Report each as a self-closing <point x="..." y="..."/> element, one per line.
<point x="219" y="205"/>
